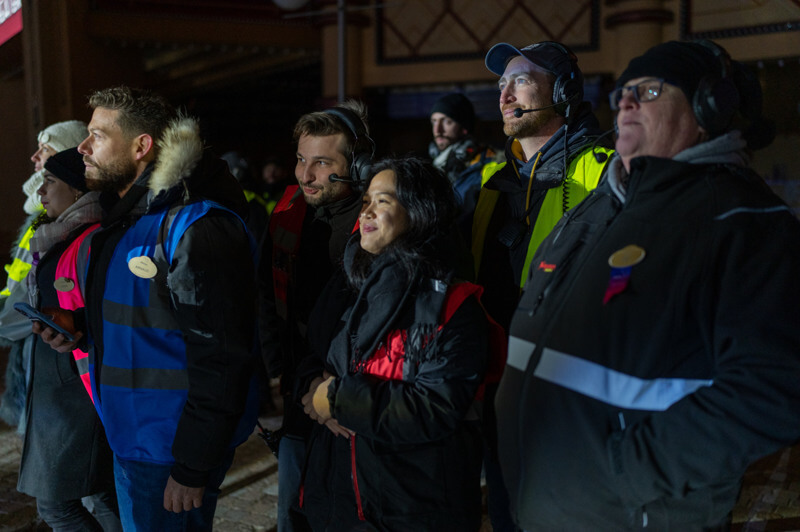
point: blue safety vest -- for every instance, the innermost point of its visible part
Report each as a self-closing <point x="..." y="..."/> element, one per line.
<point x="143" y="382"/>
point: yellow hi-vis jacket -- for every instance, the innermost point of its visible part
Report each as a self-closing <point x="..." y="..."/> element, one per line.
<point x="583" y="175"/>
<point x="21" y="264"/>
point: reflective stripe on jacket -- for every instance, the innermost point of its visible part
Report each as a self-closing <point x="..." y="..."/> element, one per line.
<point x="21" y="264"/>
<point x="583" y="175"/>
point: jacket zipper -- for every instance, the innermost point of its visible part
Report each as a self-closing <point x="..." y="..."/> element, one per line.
<point x="354" y="474"/>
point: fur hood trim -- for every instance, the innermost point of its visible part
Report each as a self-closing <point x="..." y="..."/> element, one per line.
<point x="180" y="150"/>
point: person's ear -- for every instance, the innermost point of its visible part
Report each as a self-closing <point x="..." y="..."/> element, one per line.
<point x="143" y="146"/>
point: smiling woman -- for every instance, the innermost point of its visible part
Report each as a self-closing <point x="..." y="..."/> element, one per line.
<point x="398" y="375"/>
<point x="382" y="216"/>
<point x="408" y="211"/>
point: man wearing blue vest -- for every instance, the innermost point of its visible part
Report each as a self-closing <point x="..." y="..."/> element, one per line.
<point x="551" y="164"/>
<point x="169" y="310"/>
<point x="301" y="250"/>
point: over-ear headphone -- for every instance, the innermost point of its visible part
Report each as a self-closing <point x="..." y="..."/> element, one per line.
<point x="363" y="145"/>
<point x="717" y="99"/>
<point x="568" y="86"/>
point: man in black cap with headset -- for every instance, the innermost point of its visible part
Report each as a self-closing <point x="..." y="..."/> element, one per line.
<point x="655" y="352"/>
<point x="454" y="150"/>
<point x="552" y="162"/>
<point x="303" y="246"/>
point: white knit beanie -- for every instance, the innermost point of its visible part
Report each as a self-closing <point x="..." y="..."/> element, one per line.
<point x="59" y="136"/>
<point x="63" y="135"/>
<point x="33" y="205"/>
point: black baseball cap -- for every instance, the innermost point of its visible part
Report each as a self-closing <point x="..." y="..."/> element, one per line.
<point x="553" y="57"/>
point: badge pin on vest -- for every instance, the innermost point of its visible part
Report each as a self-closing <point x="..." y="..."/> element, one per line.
<point x="64" y="284"/>
<point x="143" y="267"/>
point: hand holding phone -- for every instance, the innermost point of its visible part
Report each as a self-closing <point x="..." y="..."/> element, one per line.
<point x="36" y="315"/>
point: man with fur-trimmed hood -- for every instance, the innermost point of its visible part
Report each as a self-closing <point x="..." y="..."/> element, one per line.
<point x="169" y="310"/>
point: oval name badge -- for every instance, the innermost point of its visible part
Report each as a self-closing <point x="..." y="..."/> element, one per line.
<point x="64" y="284"/>
<point x="143" y="267"/>
<point x="628" y="256"/>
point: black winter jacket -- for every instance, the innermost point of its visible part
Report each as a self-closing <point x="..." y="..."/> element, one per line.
<point x="209" y="287"/>
<point x="639" y="401"/>
<point x="414" y="463"/>
<point x="323" y="236"/>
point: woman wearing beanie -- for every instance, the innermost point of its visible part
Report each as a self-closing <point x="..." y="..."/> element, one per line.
<point x="65" y="455"/>
<point x="15" y="328"/>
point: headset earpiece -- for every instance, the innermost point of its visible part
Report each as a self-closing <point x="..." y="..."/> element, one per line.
<point x="363" y="146"/>
<point x="717" y="99"/>
<point x="566" y="89"/>
<point x="568" y="85"/>
<point x="360" y="167"/>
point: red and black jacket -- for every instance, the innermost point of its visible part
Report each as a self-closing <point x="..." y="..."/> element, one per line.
<point x="415" y="460"/>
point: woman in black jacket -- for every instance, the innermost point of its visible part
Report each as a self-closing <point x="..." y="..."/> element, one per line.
<point x="394" y="384"/>
<point x="65" y="455"/>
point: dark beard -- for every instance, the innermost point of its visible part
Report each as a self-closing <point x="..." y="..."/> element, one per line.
<point x="113" y="178"/>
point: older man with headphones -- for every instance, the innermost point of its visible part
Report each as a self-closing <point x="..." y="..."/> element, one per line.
<point x="305" y="242"/>
<point x="552" y="161"/>
<point x="655" y="353"/>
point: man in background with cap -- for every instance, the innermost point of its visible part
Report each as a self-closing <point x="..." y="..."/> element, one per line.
<point x="552" y="163"/>
<point x="14" y="327"/>
<point x="454" y="150"/>
<point x="655" y="353"/>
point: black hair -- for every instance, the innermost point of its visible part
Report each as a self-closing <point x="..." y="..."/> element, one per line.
<point x="430" y="203"/>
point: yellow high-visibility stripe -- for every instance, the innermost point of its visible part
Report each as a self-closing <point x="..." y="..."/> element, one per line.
<point x="18" y="268"/>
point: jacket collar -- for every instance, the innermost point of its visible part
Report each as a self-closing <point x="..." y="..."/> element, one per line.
<point x="725" y="150"/>
<point x="180" y="149"/>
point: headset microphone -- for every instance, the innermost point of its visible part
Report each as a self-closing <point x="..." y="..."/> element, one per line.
<point x="518" y="112"/>
<point x="341" y="179"/>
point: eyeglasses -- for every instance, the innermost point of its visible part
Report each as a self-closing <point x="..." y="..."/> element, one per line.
<point x="644" y="91"/>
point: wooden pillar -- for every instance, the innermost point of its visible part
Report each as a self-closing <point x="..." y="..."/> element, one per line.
<point x="354" y="23"/>
<point x="637" y="25"/>
<point x="46" y="62"/>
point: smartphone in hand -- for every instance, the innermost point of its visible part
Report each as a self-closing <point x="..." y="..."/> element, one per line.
<point x="36" y="315"/>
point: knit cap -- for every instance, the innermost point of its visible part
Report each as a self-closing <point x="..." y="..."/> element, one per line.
<point x="458" y="107"/>
<point x="68" y="166"/>
<point x="682" y="64"/>
<point x="33" y="203"/>
<point x="63" y="135"/>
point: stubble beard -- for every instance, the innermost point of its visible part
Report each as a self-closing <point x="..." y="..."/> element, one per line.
<point x="530" y="124"/>
<point x="115" y="177"/>
<point x="331" y="193"/>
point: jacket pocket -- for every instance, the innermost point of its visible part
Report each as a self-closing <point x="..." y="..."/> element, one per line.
<point x="66" y="367"/>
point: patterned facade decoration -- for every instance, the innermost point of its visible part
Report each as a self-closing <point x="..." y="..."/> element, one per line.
<point x="713" y="19"/>
<point x="437" y="30"/>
